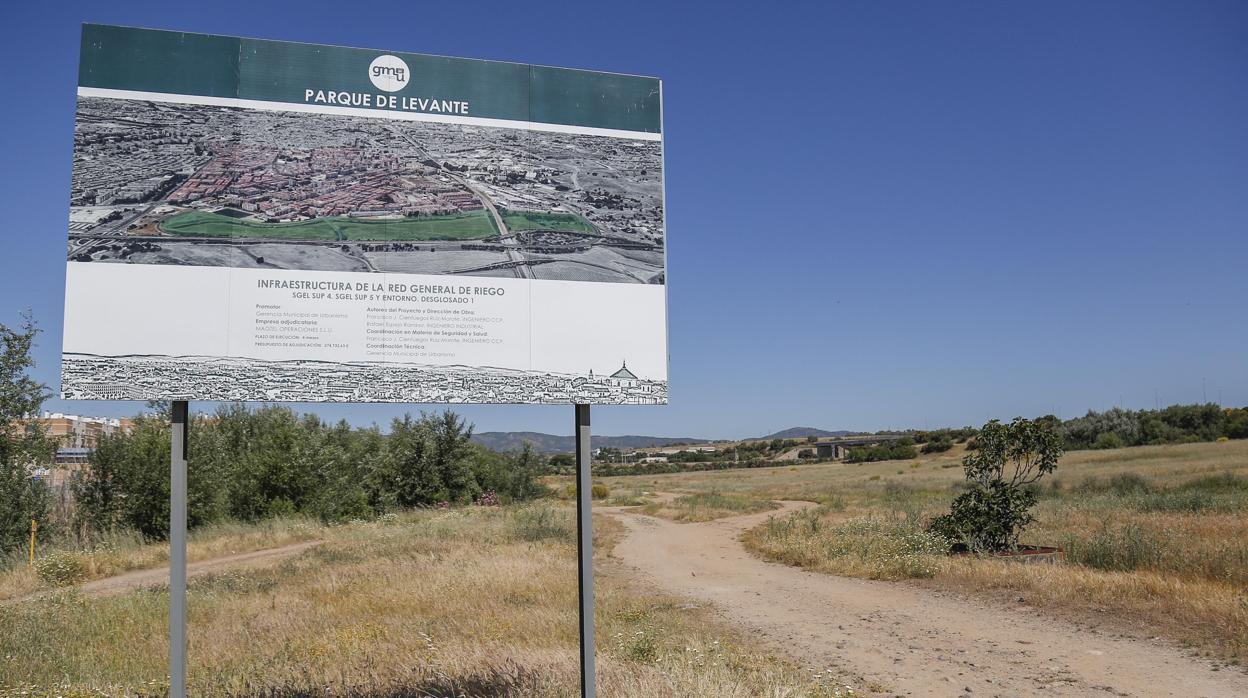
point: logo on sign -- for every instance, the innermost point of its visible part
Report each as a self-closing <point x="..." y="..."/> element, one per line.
<point x="388" y="73"/>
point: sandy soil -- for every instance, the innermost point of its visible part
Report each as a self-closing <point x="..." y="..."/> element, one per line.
<point x="898" y="639"/>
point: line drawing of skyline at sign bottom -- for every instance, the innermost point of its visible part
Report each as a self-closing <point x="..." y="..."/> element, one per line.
<point x="91" y="377"/>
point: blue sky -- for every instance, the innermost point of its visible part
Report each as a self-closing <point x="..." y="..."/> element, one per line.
<point x="879" y="214"/>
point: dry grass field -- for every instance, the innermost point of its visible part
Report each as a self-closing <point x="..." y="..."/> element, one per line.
<point x="1156" y="537"/>
<point x="705" y="506"/>
<point x="470" y="602"/>
<point x="127" y="552"/>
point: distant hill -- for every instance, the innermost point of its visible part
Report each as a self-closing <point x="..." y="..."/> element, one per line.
<point x="551" y="443"/>
<point x="803" y="432"/>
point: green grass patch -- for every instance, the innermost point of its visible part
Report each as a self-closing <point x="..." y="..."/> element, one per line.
<point x="536" y="220"/>
<point x="473" y="225"/>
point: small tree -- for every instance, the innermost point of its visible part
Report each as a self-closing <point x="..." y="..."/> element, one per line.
<point x="991" y="516"/>
<point x="525" y="466"/>
<point x="23" y="442"/>
<point x="98" y="497"/>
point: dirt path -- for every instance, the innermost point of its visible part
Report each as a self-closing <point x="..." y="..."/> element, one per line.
<point x="138" y="579"/>
<point x="899" y="639"/>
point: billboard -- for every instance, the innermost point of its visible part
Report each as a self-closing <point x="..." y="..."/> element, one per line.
<point x="263" y="220"/>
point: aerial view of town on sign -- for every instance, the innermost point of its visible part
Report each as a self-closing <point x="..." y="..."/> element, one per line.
<point x="161" y="183"/>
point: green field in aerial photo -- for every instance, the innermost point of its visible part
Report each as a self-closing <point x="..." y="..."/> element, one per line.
<point x="517" y="221"/>
<point x="473" y="225"/>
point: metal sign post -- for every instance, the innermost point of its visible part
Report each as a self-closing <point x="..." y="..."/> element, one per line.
<point x="585" y="548"/>
<point x="177" y="551"/>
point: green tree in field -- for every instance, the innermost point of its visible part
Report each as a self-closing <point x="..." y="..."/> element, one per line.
<point x="991" y="515"/>
<point x="277" y="470"/>
<point x="426" y="461"/>
<point x="490" y="469"/>
<point x="142" y="468"/>
<point x="127" y="484"/>
<point x="563" y="463"/>
<point x="23" y="443"/>
<point x="513" y="476"/>
<point x="1237" y="423"/>
<point x="127" y="481"/>
<point x="524" y="468"/>
<point x="341" y="460"/>
<point x="97" y="490"/>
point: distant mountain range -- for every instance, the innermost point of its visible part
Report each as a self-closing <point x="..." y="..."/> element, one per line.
<point x="803" y="432"/>
<point x="551" y="443"/>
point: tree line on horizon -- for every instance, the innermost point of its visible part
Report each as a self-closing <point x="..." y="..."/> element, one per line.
<point x="1113" y="428"/>
<point x="250" y="464"/>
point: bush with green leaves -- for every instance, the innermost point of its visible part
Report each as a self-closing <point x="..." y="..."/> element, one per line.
<point x="937" y="446"/>
<point x="22" y="442"/>
<point x="1108" y="440"/>
<point x="539" y="522"/>
<point x="62" y="568"/>
<point x="899" y="449"/>
<point x="995" y="509"/>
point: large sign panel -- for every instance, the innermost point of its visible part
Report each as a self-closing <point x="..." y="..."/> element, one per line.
<point x="263" y="220"/>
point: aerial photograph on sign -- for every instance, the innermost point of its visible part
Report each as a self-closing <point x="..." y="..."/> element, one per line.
<point x="179" y="184"/>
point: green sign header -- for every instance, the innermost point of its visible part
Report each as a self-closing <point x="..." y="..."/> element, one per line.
<point x="204" y="65"/>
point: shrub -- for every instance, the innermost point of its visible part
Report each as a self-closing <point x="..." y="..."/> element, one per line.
<point x="540" y="522"/>
<point x="640" y="646"/>
<point x="62" y="568"/>
<point x="1108" y="440"/>
<point x="1129" y="548"/>
<point x="599" y="492"/>
<point x="937" y="446"/>
<point x="901" y="449"/>
<point x="991" y="516"/>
